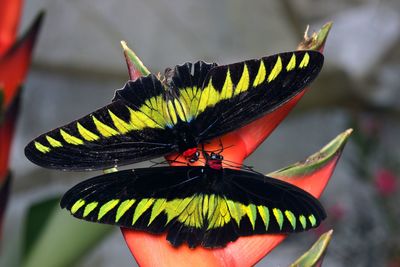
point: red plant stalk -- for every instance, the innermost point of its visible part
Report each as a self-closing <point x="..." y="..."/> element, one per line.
<point x="154" y="250"/>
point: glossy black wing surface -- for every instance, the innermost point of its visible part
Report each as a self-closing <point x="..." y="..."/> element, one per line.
<point x="236" y="94"/>
<point x="194" y="205"/>
<point x="132" y="128"/>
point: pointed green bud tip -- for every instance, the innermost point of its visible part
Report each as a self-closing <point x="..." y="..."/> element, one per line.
<point x="316" y="161"/>
<point x="111" y="170"/>
<point x="136" y="67"/>
<point x="315" y="255"/>
<point x="317" y="39"/>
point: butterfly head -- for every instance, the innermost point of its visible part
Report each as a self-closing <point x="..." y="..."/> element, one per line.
<point x="192" y="154"/>
<point x="214" y="161"/>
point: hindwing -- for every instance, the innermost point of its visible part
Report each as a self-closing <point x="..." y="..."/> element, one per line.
<point x="195" y="205"/>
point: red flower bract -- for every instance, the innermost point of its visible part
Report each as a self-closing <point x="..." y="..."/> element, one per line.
<point x="13" y="69"/>
<point x="312" y="176"/>
<point x="10" y="11"/>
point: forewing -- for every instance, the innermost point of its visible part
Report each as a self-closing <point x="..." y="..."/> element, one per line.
<point x="236" y="94"/>
<point x="132" y="128"/>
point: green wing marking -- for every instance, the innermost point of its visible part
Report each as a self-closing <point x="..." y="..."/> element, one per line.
<point x="180" y="202"/>
<point x="279" y="217"/>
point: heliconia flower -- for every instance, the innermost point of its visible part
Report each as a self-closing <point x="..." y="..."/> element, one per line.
<point x="385" y="182"/>
<point x="15" y="58"/>
<point x="14" y="63"/>
<point x="311" y="175"/>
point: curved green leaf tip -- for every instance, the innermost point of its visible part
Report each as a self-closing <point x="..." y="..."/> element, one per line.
<point x="329" y="152"/>
<point x="134" y="63"/>
<point x="315" y="255"/>
<point x="63" y="241"/>
<point x="317" y="39"/>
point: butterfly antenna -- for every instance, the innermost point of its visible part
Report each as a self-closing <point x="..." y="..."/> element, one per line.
<point x="242" y="166"/>
<point x="178" y="161"/>
<point x="167" y="161"/>
<point x="156" y="163"/>
<point x="208" y="128"/>
<point x="231" y="165"/>
<point x="175" y="160"/>
<point x="221" y="145"/>
<point x="219" y="151"/>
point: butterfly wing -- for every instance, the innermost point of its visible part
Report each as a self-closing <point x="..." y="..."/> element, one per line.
<point x="132" y="128"/>
<point x="249" y="204"/>
<point x="150" y="199"/>
<point x="266" y="205"/>
<point x="234" y="95"/>
<point x="196" y="205"/>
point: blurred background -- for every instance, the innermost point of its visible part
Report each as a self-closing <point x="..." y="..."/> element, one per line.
<point x="78" y="63"/>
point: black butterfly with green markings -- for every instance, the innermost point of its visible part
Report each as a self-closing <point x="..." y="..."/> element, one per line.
<point x="196" y="102"/>
<point x="207" y="206"/>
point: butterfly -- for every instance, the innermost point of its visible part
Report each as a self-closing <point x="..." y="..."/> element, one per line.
<point x="207" y="206"/>
<point x="193" y="103"/>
